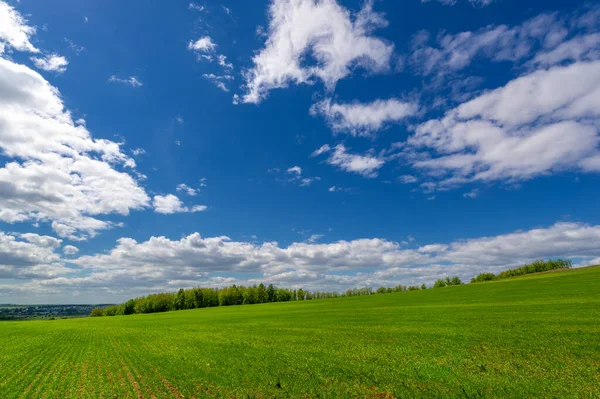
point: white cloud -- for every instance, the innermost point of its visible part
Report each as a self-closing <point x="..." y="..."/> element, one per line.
<point x="541" y="34"/>
<point x="14" y="31"/>
<point x="29" y="256"/>
<point x="321" y="150"/>
<point x="537" y="124"/>
<point x="73" y="46"/>
<point x="70" y="250"/>
<point x="586" y="47"/>
<point x="471" y="194"/>
<point x="56" y="172"/>
<point x="51" y="62"/>
<point x="314" y="238"/>
<point x="131" y="81"/>
<point x="408" y="179"/>
<point x="202" y="45"/>
<point x="364" y="165"/>
<point x="184" y="188"/>
<point x="294" y="175"/>
<point x="196" y="7"/>
<point x="218" y="80"/>
<point x="474" y="3"/>
<point x="295" y="169"/>
<point x="321" y="31"/>
<point x="223" y="62"/>
<point x="41" y="241"/>
<point x="169" y="204"/>
<point x="359" y="119"/>
<point x="433" y="248"/>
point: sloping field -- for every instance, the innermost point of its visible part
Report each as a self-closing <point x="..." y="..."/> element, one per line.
<point x="536" y="336"/>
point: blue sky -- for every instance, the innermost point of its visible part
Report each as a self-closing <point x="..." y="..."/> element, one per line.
<point x="317" y="144"/>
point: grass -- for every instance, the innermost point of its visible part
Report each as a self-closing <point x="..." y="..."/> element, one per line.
<point x="530" y="336"/>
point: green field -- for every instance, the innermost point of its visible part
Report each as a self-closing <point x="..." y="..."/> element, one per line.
<point x="534" y="336"/>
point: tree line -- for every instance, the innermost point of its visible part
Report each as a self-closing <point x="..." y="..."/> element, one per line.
<point x="234" y="295"/>
<point x="535" y="267"/>
<point x="209" y="297"/>
<point x="240" y="295"/>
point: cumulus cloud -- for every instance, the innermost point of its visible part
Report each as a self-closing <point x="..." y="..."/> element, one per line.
<point x="70" y="250"/>
<point x="29" y="256"/>
<point x="202" y="45"/>
<point x="51" y="62"/>
<point x="537" y="124"/>
<point x="364" y="165"/>
<point x="301" y="31"/>
<point x="56" y="172"/>
<point x="359" y="119"/>
<point x="15" y="33"/>
<point x="169" y="204"/>
<point x="131" y="81"/>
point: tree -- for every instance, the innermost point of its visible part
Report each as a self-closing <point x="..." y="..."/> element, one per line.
<point x="97" y="312"/>
<point x="271" y="293"/>
<point x="381" y="290"/>
<point x="199" y="297"/>
<point x="250" y="296"/>
<point x="456" y="280"/>
<point x="190" y="300"/>
<point x="261" y="293"/>
<point x="129" y="307"/>
<point x="180" y="300"/>
<point x="439" y="284"/>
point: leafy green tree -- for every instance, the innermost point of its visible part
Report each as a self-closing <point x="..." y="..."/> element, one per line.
<point x="456" y="280"/>
<point x="97" y="312"/>
<point x="423" y="287"/>
<point x="198" y="297"/>
<point x="261" y="292"/>
<point x="439" y="283"/>
<point x="250" y="296"/>
<point x="180" y="300"/>
<point x="271" y="293"/>
<point x="129" y="307"/>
